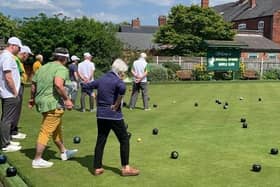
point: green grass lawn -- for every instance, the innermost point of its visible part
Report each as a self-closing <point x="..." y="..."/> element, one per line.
<point x="214" y="149"/>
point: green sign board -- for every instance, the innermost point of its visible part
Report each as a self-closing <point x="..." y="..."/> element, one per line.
<point x="223" y="59"/>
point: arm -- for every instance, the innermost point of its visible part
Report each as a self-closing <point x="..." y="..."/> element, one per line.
<point x="117" y="104"/>
<point x="10" y="82"/>
<point x="31" y="101"/>
<point x="59" y="85"/>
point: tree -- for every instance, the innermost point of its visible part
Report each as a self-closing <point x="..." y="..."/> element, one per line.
<point x="43" y="34"/>
<point x="188" y="27"/>
<point x="8" y="27"/>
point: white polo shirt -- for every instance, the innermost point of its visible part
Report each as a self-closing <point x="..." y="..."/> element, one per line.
<point x="86" y="69"/>
<point x="139" y="67"/>
<point x="8" y="63"/>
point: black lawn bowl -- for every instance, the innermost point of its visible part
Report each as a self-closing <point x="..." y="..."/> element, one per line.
<point x="124" y="104"/>
<point x="174" y="155"/>
<point x="256" y="167"/>
<point x="196" y="104"/>
<point x="11" y="171"/>
<point x="129" y="135"/>
<point x="244" y="125"/>
<point x="274" y="151"/>
<point x="3" y="159"/>
<point x="226" y="103"/>
<point x="225" y="106"/>
<point x="242" y="120"/>
<point x="260" y="99"/>
<point x="155" y="105"/>
<point x="76" y="139"/>
<point x="219" y="102"/>
<point x="155" y="131"/>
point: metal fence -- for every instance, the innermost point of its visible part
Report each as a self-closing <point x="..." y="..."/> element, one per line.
<point x="189" y="63"/>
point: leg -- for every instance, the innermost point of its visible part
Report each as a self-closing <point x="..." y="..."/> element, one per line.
<point x="144" y="90"/>
<point x="83" y="104"/>
<point x="104" y="128"/>
<point x="134" y="95"/>
<point x="9" y="108"/>
<point x="91" y="101"/>
<point x="121" y="133"/>
<point x="14" y="125"/>
<point x="74" y="92"/>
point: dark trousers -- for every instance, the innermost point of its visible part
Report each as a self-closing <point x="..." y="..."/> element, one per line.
<point x="9" y="108"/>
<point x="135" y="91"/>
<point x="91" y="100"/>
<point x="14" y="126"/>
<point x="104" y="126"/>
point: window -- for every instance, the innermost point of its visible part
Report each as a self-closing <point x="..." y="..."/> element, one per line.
<point x="253" y="55"/>
<point x="261" y="25"/>
<point x="272" y="55"/>
<point x="242" y="26"/>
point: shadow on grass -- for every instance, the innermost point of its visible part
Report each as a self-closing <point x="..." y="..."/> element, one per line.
<point x="87" y="162"/>
<point x="48" y="154"/>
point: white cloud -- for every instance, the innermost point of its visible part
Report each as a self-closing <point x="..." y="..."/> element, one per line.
<point x="161" y="2"/>
<point x="102" y="16"/>
<point x="117" y="3"/>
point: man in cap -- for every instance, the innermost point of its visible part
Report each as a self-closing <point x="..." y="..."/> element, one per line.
<point x="74" y="78"/>
<point x="86" y="72"/>
<point x="20" y="58"/>
<point x="38" y="63"/>
<point x="50" y="78"/>
<point x="9" y="93"/>
<point x="139" y="71"/>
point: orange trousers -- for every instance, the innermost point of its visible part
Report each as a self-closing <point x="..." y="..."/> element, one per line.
<point x="51" y="126"/>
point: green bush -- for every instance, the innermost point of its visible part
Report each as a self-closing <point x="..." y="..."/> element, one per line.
<point x="272" y="74"/>
<point x="157" y="73"/>
<point x="171" y="69"/>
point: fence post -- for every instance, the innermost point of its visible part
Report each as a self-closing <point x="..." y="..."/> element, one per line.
<point x="180" y="61"/>
<point x="157" y="59"/>
<point x="261" y="69"/>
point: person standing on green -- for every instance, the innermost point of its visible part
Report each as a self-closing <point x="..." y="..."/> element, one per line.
<point x="50" y="97"/>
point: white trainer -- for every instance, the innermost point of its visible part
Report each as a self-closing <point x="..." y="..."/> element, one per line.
<point x="19" y="136"/>
<point x="41" y="163"/>
<point x="14" y="143"/>
<point x="11" y="148"/>
<point x="68" y="154"/>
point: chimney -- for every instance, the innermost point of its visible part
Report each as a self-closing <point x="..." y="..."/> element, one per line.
<point x="135" y="23"/>
<point x="161" y="20"/>
<point x="204" y="3"/>
<point x="252" y="3"/>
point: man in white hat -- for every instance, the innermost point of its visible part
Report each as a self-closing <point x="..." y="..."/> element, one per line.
<point x="9" y="93"/>
<point x="74" y="78"/>
<point x="20" y="59"/>
<point x="50" y="78"/>
<point x="86" y="72"/>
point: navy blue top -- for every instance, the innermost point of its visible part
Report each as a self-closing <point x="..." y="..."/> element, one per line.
<point x="109" y="87"/>
<point x="72" y="69"/>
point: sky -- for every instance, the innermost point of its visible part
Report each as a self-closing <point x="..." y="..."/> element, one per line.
<point x="115" y="11"/>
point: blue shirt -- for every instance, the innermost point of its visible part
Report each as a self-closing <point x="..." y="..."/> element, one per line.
<point x="72" y="69"/>
<point x="109" y="87"/>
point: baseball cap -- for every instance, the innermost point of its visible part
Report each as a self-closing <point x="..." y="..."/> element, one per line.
<point x="143" y="55"/>
<point x="15" y="41"/>
<point x="75" y="58"/>
<point x="60" y="51"/>
<point x="25" y="49"/>
<point x="87" y="54"/>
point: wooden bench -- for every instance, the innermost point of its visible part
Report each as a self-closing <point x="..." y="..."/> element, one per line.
<point x="184" y="74"/>
<point x="250" y="74"/>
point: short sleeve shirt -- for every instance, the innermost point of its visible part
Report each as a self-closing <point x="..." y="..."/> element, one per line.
<point x="8" y="63"/>
<point x="47" y="97"/>
<point x="140" y="66"/>
<point x="72" y="69"/>
<point x="86" y="69"/>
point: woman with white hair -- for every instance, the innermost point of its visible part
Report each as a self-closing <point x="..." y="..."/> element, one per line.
<point x="110" y="91"/>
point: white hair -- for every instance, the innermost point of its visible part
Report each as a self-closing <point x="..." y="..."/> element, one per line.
<point x="143" y="55"/>
<point x="119" y="66"/>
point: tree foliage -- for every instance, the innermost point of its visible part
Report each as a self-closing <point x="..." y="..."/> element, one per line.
<point x="188" y="27"/>
<point x="8" y="27"/>
<point x="43" y="34"/>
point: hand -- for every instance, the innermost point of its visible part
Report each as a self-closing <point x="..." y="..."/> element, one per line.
<point x="114" y="108"/>
<point x="31" y="103"/>
<point x="68" y="104"/>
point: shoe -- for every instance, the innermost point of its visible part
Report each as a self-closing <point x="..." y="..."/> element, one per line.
<point x="41" y="163"/>
<point x="11" y="148"/>
<point x="82" y="110"/>
<point x="130" y="171"/>
<point x="98" y="171"/>
<point x="19" y="136"/>
<point x="92" y="110"/>
<point x="14" y="143"/>
<point x="68" y="154"/>
<point x="147" y="109"/>
<point x="130" y="108"/>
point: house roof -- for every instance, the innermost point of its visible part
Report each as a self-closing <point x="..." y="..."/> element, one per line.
<point x="239" y="11"/>
<point x="225" y="43"/>
<point x="257" y="43"/>
<point x="141" y="29"/>
<point x="137" y="41"/>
